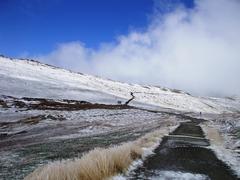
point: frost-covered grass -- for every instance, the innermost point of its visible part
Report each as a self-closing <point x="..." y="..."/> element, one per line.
<point x="63" y="125"/>
<point x="68" y="134"/>
<point x="222" y="133"/>
<point x="99" y="163"/>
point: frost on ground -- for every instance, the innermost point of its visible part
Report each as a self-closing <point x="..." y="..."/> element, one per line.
<point x="178" y="176"/>
<point x="99" y="164"/>
<point x="30" y="138"/>
<point x="223" y="131"/>
<point x="19" y="128"/>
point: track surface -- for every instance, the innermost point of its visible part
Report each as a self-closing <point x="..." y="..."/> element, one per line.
<point x="184" y="151"/>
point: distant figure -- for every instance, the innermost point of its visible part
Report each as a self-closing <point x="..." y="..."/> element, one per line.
<point x="119" y="102"/>
<point x="200" y="113"/>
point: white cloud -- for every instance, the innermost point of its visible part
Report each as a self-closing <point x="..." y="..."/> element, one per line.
<point x="197" y="50"/>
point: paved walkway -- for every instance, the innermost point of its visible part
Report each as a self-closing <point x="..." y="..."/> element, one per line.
<point x="183" y="155"/>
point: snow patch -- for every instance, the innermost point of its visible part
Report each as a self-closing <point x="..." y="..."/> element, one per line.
<point x="217" y="144"/>
<point x="177" y="175"/>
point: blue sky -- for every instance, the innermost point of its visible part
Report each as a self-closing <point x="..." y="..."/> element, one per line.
<point x="32" y="27"/>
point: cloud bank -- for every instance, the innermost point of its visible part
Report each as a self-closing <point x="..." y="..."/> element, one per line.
<point x="196" y="50"/>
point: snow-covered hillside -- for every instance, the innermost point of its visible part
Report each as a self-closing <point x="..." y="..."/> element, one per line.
<point x="48" y="113"/>
<point x="27" y="78"/>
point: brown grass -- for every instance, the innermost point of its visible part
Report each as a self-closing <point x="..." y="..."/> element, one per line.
<point x="97" y="164"/>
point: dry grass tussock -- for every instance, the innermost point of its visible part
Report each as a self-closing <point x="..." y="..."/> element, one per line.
<point x="98" y="163"/>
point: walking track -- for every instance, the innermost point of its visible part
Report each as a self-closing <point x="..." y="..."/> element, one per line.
<point x="184" y="155"/>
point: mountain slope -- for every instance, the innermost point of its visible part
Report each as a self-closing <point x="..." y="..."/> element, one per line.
<point x="28" y="78"/>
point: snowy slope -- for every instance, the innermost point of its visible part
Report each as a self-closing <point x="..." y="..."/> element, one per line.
<point x="25" y="78"/>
